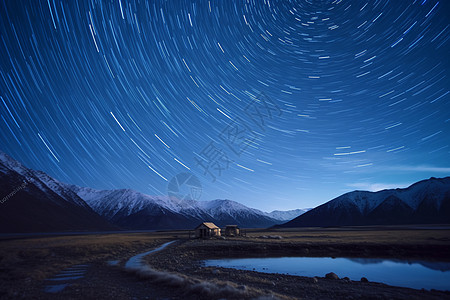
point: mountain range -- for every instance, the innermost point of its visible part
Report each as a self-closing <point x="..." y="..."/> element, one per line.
<point x="130" y="209"/>
<point x="424" y="202"/>
<point x="35" y="202"/>
<point x="32" y="201"/>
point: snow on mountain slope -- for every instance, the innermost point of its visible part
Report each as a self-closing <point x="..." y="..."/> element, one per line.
<point x="40" y="179"/>
<point x="232" y="208"/>
<point x="36" y="202"/>
<point x="58" y="187"/>
<point x="11" y="164"/>
<point x="425" y="202"/>
<point x="118" y="205"/>
<point x="125" y="206"/>
<point x="287" y="215"/>
<point x="435" y="189"/>
<point x="111" y="203"/>
<point x="115" y="203"/>
<point x="364" y="201"/>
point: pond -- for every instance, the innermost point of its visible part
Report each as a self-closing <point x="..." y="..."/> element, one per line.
<point x="413" y="274"/>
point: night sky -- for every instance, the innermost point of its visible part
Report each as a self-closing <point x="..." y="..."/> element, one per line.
<point x="275" y="104"/>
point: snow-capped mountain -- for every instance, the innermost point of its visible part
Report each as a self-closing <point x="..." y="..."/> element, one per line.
<point x="34" y="201"/>
<point x="124" y="208"/>
<point x="134" y="210"/>
<point x="226" y="212"/>
<point x="40" y="179"/>
<point x="288" y="214"/>
<point x="424" y="202"/>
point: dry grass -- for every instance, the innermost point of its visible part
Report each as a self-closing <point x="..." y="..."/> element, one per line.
<point x="27" y="261"/>
<point x="39" y="258"/>
<point x="201" y="288"/>
<point x="402" y="243"/>
<point x="359" y="235"/>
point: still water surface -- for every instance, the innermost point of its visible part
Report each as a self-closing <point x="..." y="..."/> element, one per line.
<point x="413" y="274"/>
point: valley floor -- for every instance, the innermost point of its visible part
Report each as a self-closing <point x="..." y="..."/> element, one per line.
<point x="31" y="265"/>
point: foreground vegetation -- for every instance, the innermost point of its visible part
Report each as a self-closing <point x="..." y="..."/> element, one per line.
<point x="26" y="263"/>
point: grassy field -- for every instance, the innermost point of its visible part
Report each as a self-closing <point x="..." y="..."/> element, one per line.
<point x="392" y="235"/>
<point x="390" y="242"/>
<point x="26" y="262"/>
<point x="39" y="257"/>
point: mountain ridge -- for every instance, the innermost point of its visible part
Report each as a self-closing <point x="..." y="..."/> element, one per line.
<point x="426" y="201"/>
<point x="124" y="208"/>
<point x="121" y="206"/>
<point x="35" y="202"/>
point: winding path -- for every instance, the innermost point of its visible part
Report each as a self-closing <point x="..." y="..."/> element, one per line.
<point x="135" y="262"/>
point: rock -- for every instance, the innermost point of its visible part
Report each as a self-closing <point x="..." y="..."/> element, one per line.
<point x="364" y="279"/>
<point x="215" y="272"/>
<point x="275" y="237"/>
<point x="315" y="280"/>
<point x="242" y="288"/>
<point x="331" y="275"/>
<point x="346" y="279"/>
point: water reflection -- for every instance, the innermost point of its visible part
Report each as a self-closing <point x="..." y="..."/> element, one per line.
<point x="440" y="266"/>
<point x="413" y="274"/>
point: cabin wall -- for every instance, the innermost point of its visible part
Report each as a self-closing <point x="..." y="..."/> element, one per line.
<point x="206" y="232"/>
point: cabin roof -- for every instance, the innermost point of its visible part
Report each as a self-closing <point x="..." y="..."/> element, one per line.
<point x="210" y="225"/>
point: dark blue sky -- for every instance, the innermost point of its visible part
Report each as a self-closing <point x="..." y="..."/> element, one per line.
<point x="275" y="104"/>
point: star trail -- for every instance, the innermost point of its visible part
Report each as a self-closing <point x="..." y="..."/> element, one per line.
<point x="275" y="104"/>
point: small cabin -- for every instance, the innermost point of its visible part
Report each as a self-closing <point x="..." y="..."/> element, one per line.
<point x="207" y="229"/>
<point x="232" y="230"/>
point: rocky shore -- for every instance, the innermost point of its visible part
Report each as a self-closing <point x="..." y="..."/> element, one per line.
<point x="186" y="258"/>
<point x="29" y="266"/>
